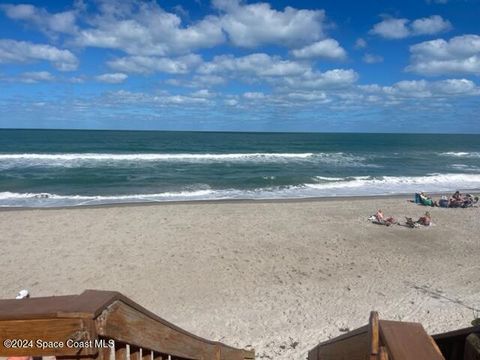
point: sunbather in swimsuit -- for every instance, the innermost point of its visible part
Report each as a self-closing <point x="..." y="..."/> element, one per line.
<point x="381" y="219"/>
<point x="456" y="200"/>
<point x="427" y="200"/>
<point x="425" y="220"/>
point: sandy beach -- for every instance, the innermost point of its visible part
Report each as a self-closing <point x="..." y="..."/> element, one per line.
<point x="277" y="276"/>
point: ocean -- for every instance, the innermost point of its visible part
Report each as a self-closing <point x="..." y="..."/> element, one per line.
<point x="49" y="168"/>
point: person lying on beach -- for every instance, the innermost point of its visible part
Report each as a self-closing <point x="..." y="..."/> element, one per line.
<point x="469" y="200"/>
<point x="456" y="200"/>
<point x="380" y="219"/>
<point x="426" y="200"/>
<point x="425" y="220"/>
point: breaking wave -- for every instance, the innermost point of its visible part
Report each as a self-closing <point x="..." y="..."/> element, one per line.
<point x="154" y="157"/>
<point x="462" y="154"/>
<point x="8" y="161"/>
<point x="319" y="187"/>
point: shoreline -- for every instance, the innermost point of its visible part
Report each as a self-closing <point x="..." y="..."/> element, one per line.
<point x="405" y="196"/>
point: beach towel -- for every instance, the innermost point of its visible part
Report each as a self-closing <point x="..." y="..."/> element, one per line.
<point x="426" y="202"/>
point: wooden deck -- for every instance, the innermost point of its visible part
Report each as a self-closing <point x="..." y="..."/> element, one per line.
<point x="101" y="325"/>
<point x="105" y="325"/>
<point x="396" y="340"/>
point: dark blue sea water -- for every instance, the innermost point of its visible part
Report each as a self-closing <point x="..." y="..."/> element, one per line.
<point x="59" y="168"/>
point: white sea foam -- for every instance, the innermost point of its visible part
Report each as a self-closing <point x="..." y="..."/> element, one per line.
<point x="8" y="161"/>
<point x="154" y="157"/>
<point x="464" y="167"/>
<point x="326" y="178"/>
<point x="352" y="186"/>
<point x="399" y="184"/>
<point x="461" y="154"/>
<point x="47" y="200"/>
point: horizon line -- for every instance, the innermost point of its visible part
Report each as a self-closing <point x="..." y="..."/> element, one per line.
<point x="238" y="131"/>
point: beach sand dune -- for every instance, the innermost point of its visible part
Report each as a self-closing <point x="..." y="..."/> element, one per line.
<point x="278" y="276"/>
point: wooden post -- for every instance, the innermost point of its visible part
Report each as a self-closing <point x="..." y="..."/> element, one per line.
<point x="157" y="356"/>
<point x="107" y="353"/>
<point x="382" y="353"/>
<point x="373" y="335"/>
<point x="120" y="351"/>
<point x="147" y="354"/>
<point x="135" y="353"/>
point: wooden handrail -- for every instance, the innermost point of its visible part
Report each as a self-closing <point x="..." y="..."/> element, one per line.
<point x="101" y="325"/>
<point x="380" y="340"/>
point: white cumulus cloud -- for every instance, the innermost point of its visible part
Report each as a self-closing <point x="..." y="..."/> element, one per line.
<point x="425" y="89"/>
<point x="372" y="58"/>
<point x="62" y="22"/>
<point x="254" y="95"/>
<point x="278" y="72"/>
<point x="395" y="28"/>
<point x="258" y="64"/>
<point x="432" y="25"/>
<point x="330" y="79"/>
<point x="149" y="64"/>
<point x="36" y="76"/>
<point x="252" y="25"/>
<point x="112" y="78"/>
<point x="12" y="51"/>
<point x="391" y="28"/>
<point x="360" y="43"/>
<point x="460" y="54"/>
<point x="145" y="29"/>
<point x="327" y="48"/>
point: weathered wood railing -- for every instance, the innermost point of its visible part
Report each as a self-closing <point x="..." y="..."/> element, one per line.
<point x="100" y="325"/>
<point x="462" y="344"/>
<point x="380" y="340"/>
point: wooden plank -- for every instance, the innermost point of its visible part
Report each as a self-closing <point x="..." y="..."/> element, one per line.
<point x="352" y="348"/>
<point x="135" y="353"/>
<point x="373" y="334"/>
<point x="408" y="341"/>
<point x="313" y="354"/>
<point x="106" y="353"/>
<point x="52" y="337"/>
<point x="32" y="308"/>
<point x="382" y="353"/>
<point x="472" y="347"/>
<point x="120" y="351"/>
<point x="435" y="346"/>
<point x="124" y="323"/>
<point x="360" y="330"/>
<point x="463" y="333"/>
<point x="87" y="305"/>
<point x="90" y="305"/>
<point x="157" y="356"/>
<point x="225" y="352"/>
<point x="452" y="343"/>
<point x="147" y="354"/>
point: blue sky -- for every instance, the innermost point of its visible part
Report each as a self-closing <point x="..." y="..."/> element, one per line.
<point x="369" y="66"/>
